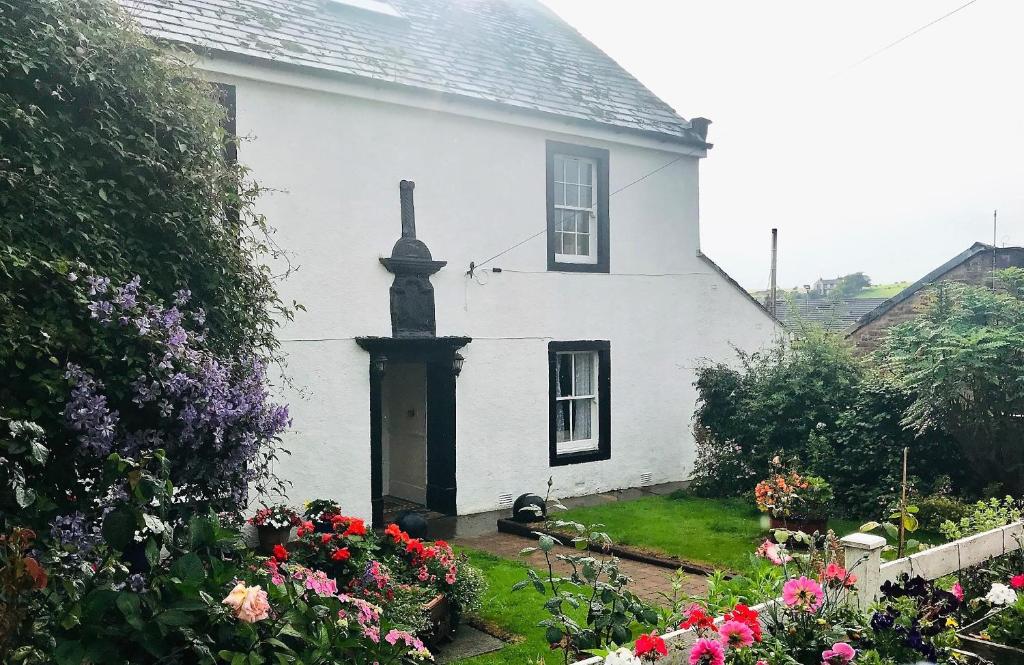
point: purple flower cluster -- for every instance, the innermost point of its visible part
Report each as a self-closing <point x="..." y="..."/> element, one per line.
<point x="74" y="531"/>
<point x="212" y="415"/>
<point x="88" y="414"/>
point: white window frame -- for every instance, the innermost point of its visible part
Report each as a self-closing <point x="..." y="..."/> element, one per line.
<point x="580" y="445"/>
<point x="559" y="180"/>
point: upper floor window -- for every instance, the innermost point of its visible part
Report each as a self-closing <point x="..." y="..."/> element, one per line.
<point x="577" y="199"/>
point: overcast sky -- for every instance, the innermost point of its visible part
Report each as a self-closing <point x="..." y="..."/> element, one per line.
<point x="892" y="166"/>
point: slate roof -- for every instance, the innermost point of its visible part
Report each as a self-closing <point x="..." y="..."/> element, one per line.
<point x="829" y="313"/>
<point x="515" y="53"/>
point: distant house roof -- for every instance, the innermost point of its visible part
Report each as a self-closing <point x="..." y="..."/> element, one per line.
<point x="933" y="276"/>
<point x="829" y="313"/>
<point x="515" y="53"/>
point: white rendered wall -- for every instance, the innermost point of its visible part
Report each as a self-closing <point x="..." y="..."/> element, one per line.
<point x="334" y="162"/>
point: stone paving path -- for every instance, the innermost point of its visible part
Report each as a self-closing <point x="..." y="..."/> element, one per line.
<point x="649" y="581"/>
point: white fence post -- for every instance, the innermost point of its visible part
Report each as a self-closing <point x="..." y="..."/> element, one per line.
<point x="862" y="553"/>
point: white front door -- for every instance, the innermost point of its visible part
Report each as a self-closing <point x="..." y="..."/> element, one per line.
<point x="404" y="409"/>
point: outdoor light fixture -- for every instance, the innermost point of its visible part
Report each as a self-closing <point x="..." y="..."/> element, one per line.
<point x="380" y="363"/>
<point x="457" y="361"/>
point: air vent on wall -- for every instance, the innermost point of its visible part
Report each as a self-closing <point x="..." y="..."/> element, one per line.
<point x="645" y="479"/>
<point x="504" y="501"/>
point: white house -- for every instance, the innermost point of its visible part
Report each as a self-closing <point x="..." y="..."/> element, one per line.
<point x="553" y="325"/>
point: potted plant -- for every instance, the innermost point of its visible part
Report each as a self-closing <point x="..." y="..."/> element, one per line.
<point x="274" y="525"/>
<point x="793" y="501"/>
<point x="320" y="511"/>
<point x="999" y="635"/>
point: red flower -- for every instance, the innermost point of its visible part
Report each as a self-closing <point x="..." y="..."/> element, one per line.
<point x="1017" y="581"/>
<point x="746" y="616"/>
<point x="280" y="553"/>
<point x="35" y="571"/>
<point x="415" y="548"/>
<point x="341" y="554"/>
<point x="443" y="544"/>
<point x="697" y="618"/>
<point x="355" y="528"/>
<point x="396" y="534"/>
<point x="304" y="528"/>
<point x="650" y="647"/>
<point x="326" y="538"/>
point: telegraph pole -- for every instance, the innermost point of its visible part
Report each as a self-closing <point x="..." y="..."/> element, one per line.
<point x="773" y="294"/>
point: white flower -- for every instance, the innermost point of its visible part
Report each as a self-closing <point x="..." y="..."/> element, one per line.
<point x="622" y="656"/>
<point x="1000" y="594"/>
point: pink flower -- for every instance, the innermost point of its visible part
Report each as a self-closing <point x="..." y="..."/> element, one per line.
<point x="707" y="652"/>
<point x="841" y="653"/>
<point x="1017" y="581"/>
<point x="957" y="591"/>
<point x="736" y="634"/>
<point x="318" y="582"/>
<point x="804" y="594"/>
<point x="772" y="552"/>
<point x="837" y="575"/>
<point x="249" y="603"/>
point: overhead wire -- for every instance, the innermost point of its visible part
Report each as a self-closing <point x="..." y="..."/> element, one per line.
<point x="905" y="37"/>
<point x="473" y="267"/>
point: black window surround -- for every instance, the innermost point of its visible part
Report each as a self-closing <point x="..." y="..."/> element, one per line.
<point x="600" y="156"/>
<point x="604" y="403"/>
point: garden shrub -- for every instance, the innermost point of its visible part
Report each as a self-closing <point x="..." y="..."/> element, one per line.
<point x="813" y="400"/>
<point x="962" y="361"/>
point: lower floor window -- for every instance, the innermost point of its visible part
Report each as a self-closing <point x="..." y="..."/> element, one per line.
<point x="579" y="408"/>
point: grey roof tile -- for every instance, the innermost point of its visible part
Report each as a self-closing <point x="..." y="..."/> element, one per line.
<point x="514" y="52"/>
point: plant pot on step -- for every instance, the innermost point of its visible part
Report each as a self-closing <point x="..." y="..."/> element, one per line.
<point x="269" y="537"/>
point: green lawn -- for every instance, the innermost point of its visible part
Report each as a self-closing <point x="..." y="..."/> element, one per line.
<point x="717" y="532"/>
<point x="883" y="290"/>
<point x="515" y="612"/>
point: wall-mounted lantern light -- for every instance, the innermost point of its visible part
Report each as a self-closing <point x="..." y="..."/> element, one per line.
<point x="380" y="363"/>
<point x="457" y="361"/>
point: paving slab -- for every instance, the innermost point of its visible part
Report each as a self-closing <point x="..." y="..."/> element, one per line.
<point x="468" y="642"/>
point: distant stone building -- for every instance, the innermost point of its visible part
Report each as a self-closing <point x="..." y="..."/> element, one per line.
<point x="824" y="287"/>
<point x="973" y="266"/>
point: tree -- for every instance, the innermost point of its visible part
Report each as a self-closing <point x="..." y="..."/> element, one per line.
<point x="137" y="307"/>
<point x="963" y="359"/>
<point x="113" y="154"/>
<point x="850" y="285"/>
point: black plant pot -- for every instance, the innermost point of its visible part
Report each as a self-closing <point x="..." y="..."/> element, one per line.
<point x="529" y="508"/>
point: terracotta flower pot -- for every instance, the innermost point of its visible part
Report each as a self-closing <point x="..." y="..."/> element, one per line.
<point x="439" y="609"/>
<point x="269" y="537"/>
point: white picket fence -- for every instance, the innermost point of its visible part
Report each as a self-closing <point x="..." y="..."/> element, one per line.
<point x="863" y="556"/>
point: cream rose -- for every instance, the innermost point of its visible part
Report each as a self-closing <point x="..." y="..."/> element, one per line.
<point x="249" y="603"/>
